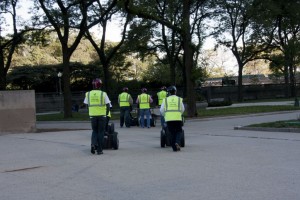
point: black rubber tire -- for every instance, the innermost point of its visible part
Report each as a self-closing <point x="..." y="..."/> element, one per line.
<point x="183" y="121"/>
<point x="115" y="141"/>
<point x="128" y="121"/>
<point x="162" y="139"/>
<point x="182" y="141"/>
<point x="111" y="128"/>
<point x="153" y="121"/>
<point x="168" y="136"/>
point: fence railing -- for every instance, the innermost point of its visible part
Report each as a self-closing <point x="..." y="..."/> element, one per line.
<point x="48" y="102"/>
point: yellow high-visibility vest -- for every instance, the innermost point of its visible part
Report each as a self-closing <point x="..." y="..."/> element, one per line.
<point x="96" y="102"/>
<point x="173" y="108"/>
<point x="124" y="99"/>
<point x="144" y="101"/>
<point x="161" y="96"/>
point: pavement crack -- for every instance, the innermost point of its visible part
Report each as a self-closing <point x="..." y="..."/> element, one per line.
<point x="23" y="169"/>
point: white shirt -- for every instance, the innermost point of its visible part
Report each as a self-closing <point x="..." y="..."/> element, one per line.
<point x="162" y="107"/>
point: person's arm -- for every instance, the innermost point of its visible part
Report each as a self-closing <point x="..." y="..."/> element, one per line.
<point x="107" y="109"/>
<point x="85" y="101"/>
<point x="182" y="107"/>
<point x="162" y="108"/>
<point x="150" y="99"/>
<point x="107" y="103"/>
<point x="130" y="100"/>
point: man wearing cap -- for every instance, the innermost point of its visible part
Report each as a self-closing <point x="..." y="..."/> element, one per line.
<point x="98" y="105"/>
<point x="172" y="109"/>
<point x="125" y="103"/>
<point x="161" y="95"/>
<point x="144" y="100"/>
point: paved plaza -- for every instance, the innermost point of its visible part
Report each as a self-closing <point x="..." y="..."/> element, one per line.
<point x="218" y="163"/>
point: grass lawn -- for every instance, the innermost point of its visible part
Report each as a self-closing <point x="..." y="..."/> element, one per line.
<point x="243" y="110"/>
<point x="279" y="124"/>
<point x="202" y="113"/>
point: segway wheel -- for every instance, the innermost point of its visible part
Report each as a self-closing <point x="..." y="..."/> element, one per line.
<point x="183" y="121"/>
<point x="128" y="121"/>
<point x="111" y="128"/>
<point x="115" y="141"/>
<point x="153" y="121"/>
<point x="162" y="138"/>
<point x="168" y="136"/>
<point x="182" y="141"/>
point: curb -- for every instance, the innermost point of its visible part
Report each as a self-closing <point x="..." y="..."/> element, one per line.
<point x="291" y="130"/>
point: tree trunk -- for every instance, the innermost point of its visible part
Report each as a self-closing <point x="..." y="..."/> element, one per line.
<point x="287" y="82"/>
<point x="240" y="83"/>
<point x="172" y="71"/>
<point x="188" y="60"/>
<point x="2" y="72"/>
<point x="292" y="80"/>
<point x="106" y="76"/>
<point x="66" y="85"/>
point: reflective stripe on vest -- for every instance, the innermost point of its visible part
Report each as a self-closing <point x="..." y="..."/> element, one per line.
<point x="161" y="95"/>
<point x="124" y="99"/>
<point x="96" y="103"/>
<point x="173" y="108"/>
<point x="144" y="101"/>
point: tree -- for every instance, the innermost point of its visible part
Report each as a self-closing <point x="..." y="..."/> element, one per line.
<point x="238" y="33"/>
<point x="65" y="18"/>
<point x="285" y="54"/>
<point x="106" y="50"/>
<point x="147" y="10"/>
<point x="9" y="42"/>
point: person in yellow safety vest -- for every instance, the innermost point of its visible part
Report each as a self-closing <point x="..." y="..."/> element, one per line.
<point x="125" y="103"/>
<point x="144" y="100"/>
<point x="172" y="109"/>
<point x="98" y="106"/>
<point x="161" y="95"/>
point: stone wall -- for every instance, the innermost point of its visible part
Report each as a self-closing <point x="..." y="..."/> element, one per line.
<point x="17" y="111"/>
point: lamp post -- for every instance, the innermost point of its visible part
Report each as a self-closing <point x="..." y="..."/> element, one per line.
<point x="59" y="75"/>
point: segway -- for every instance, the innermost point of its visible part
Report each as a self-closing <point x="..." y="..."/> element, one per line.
<point x="111" y="140"/>
<point x="133" y="120"/>
<point x="165" y="137"/>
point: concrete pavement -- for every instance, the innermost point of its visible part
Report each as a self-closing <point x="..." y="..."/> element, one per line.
<point x="218" y="163"/>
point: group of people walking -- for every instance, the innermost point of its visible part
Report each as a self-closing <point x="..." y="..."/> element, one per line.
<point x="99" y="104"/>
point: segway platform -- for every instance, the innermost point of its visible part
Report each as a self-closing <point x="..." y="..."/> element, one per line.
<point x="111" y="140"/>
<point x="165" y="138"/>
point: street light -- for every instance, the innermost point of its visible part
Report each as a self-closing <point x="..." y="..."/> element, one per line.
<point x="59" y="75"/>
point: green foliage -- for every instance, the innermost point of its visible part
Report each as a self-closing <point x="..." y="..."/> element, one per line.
<point x="43" y="78"/>
<point x="28" y="77"/>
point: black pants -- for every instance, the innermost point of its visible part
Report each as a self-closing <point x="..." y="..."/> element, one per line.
<point x="175" y="128"/>
<point x="125" y="116"/>
<point x="98" y="126"/>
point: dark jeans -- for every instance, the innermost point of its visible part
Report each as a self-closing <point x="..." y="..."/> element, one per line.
<point x="162" y="121"/>
<point x="144" y="112"/>
<point x="124" y="116"/>
<point x="98" y="126"/>
<point x="175" y="128"/>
